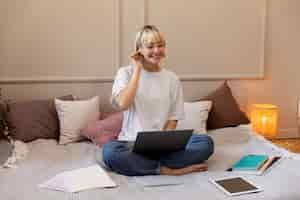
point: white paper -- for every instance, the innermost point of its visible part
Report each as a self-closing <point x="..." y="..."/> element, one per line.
<point x="80" y="179"/>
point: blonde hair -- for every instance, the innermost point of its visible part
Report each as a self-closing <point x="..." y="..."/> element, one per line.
<point x="147" y="35"/>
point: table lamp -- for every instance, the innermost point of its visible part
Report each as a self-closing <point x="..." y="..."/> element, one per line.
<point x="264" y="119"/>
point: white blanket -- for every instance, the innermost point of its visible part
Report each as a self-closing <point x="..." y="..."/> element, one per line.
<point x="46" y="158"/>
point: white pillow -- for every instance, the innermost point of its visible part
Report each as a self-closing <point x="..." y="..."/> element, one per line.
<point x="74" y="116"/>
<point x="195" y="116"/>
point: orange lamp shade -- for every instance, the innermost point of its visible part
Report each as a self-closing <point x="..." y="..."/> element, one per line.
<point x="264" y="119"/>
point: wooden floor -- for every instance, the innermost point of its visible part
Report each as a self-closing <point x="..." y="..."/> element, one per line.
<point x="292" y="145"/>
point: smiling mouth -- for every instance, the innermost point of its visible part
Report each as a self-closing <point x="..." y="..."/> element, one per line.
<point x="157" y="56"/>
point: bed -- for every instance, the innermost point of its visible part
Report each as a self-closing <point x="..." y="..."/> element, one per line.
<point x="46" y="158"/>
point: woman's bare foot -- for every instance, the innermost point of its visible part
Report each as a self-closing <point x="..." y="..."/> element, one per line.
<point x="185" y="170"/>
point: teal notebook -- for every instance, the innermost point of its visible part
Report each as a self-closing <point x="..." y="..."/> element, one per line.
<point x="250" y="162"/>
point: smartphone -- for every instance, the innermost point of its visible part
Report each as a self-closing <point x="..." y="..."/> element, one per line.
<point x="137" y="55"/>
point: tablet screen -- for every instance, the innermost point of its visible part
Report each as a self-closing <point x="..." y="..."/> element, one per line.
<point x="234" y="185"/>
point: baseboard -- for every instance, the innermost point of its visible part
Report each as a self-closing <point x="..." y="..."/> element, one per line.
<point x="288" y="133"/>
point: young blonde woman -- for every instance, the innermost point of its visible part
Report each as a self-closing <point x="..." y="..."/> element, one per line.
<point x="152" y="99"/>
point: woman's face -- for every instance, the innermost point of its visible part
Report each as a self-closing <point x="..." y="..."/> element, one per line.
<point x="154" y="51"/>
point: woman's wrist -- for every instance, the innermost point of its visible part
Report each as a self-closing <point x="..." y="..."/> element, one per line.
<point x="136" y="73"/>
<point x="138" y="68"/>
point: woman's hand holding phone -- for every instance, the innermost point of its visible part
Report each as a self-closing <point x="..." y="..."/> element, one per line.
<point x="127" y="95"/>
<point x="137" y="59"/>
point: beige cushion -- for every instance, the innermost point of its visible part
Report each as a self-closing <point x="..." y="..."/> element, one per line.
<point x="195" y="116"/>
<point x="74" y="116"/>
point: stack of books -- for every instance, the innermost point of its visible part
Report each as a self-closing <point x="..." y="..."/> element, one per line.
<point x="254" y="164"/>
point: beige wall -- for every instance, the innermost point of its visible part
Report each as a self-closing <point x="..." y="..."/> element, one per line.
<point x="281" y="85"/>
<point x="64" y="38"/>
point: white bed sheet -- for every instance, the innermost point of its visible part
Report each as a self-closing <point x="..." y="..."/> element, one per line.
<point x="46" y="159"/>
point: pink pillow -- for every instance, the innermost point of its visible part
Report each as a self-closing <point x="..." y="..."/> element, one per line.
<point x="101" y="131"/>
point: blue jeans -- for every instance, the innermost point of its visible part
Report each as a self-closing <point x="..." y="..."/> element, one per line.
<point x="118" y="156"/>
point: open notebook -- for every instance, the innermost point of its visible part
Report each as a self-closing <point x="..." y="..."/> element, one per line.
<point x="80" y="179"/>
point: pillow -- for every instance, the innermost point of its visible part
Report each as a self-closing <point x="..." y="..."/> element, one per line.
<point x="225" y="111"/>
<point x="104" y="115"/>
<point x="74" y="116"/>
<point x="101" y="131"/>
<point x="30" y="120"/>
<point x="195" y="116"/>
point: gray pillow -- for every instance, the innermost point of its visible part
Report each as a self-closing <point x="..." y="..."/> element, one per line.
<point x="30" y="120"/>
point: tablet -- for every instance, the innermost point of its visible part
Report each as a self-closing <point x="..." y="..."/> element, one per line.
<point x="235" y="185"/>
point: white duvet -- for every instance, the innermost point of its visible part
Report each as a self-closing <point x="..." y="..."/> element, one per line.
<point x="46" y="158"/>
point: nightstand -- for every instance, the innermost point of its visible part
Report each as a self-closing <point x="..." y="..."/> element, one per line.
<point x="292" y="144"/>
